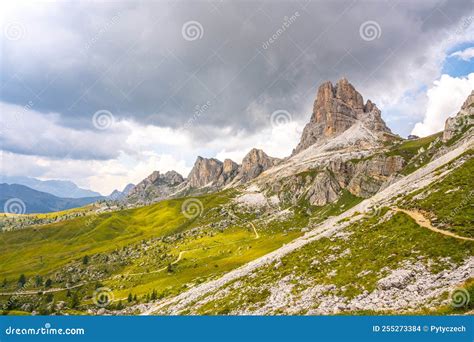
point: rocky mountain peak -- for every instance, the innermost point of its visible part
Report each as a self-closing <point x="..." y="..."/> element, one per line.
<point x="210" y="172"/>
<point x="463" y="119"/>
<point x="229" y="166"/>
<point x="346" y="93"/>
<point x="156" y="185"/>
<point x="469" y="103"/>
<point x="204" y="171"/>
<point x="254" y="163"/>
<point x="336" y="109"/>
<point x="173" y="178"/>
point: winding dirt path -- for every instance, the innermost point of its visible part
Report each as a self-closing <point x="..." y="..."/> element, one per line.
<point x="34" y="292"/>
<point x="180" y="255"/>
<point x="239" y="219"/>
<point x="426" y="223"/>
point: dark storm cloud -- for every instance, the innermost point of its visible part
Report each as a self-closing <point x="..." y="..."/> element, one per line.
<point x="132" y="58"/>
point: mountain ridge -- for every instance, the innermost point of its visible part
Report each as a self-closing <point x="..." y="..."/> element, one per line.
<point x="59" y="188"/>
<point x="33" y="201"/>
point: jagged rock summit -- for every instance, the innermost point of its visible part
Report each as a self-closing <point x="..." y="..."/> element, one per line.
<point x="204" y="172"/>
<point x="336" y="109"/>
<point x="254" y="163"/>
<point x="462" y="121"/>
<point x="213" y="173"/>
<point x="156" y="186"/>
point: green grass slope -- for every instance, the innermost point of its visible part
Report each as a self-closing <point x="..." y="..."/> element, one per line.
<point x="449" y="203"/>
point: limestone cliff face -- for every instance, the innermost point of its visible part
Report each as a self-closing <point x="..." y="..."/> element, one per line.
<point x="362" y="178"/>
<point x="253" y="164"/>
<point x="215" y="174"/>
<point x="336" y="109"/>
<point x="462" y="121"/>
<point x="156" y="186"/>
<point x="229" y="171"/>
<point x="204" y="172"/>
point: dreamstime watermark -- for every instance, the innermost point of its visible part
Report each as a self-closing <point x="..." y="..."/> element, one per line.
<point x="464" y="202"/>
<point x="91" y="219"/>
<point x="459" y="298"/>
<point x="14" y="206"/>
<point x="103" y="119"/>
<point x="46" y="330"/>
<point x="24" y="287"/>
<point x="102" y="297"/>
<point x="199" y="110"/>
<point x="287" y="22"/>
<point x="370" y="30"/>
<point x="280" y="118"/>
<point x="461" y="28"/>
<point x="14" y="31"/>
<point x="192" y="30"/>
<point x="103" y="29"/>
<point x="192" y="208"/>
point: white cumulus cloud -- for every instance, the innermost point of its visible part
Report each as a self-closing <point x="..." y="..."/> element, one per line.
<point x="445" y="98"/>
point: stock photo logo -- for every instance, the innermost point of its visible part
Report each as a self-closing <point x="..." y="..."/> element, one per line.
<point x="280" y="118"/>
<point x="102" y="297"/>
<point x="192" y="208"/>
<point x="192" y="30"/>
<point x="103" y="119"/>
<point x="460" y="298"/>
<point x="14" y="206"/>
<point x="14" y="31"/>
<point x="370" y="30"/>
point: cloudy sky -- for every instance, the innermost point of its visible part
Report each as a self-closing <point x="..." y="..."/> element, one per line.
<point x="102" y="93"/>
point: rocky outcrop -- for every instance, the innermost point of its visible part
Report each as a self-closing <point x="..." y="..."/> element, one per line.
<point x="205" y="172"/>
<point x="462" y="121"/>
<point x="362" y="178"/>
<point x="156" y="186"/>
<point x="336" y="109"/>
<point x="230" y="169"/>
<point x="369" y="176"/>
<point x="253" y="164"/>
<point x="324" y="189"/>
<point x="214" y="174"/>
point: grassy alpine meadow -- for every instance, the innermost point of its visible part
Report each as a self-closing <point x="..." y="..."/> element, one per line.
<point x="143" y="253"/>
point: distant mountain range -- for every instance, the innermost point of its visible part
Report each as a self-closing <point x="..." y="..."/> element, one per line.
<point x="51" y="195"/>
<point x="59" y="188"/>
<point x="15" y="198"/>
